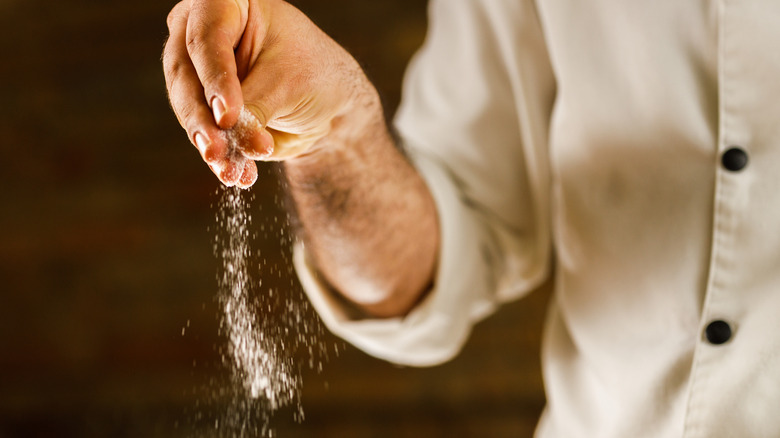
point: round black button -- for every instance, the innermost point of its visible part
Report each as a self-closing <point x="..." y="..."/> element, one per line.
<point x="734" y="159"/>
<point x="718" y="332"/>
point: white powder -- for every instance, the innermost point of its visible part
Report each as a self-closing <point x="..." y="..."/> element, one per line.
<point x="238" y="136"/>
<point x="241" y="132"/>
<point x="270" y="333"/>
<point x="254" y="355"/>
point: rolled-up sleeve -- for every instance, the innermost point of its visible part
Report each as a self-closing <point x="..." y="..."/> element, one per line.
<point x="474" y="120"/>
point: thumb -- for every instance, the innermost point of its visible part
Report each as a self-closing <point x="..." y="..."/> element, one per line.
<point x="249" y="136"/>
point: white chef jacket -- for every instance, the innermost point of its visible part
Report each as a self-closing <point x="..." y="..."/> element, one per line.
<point x="632" y="150"/>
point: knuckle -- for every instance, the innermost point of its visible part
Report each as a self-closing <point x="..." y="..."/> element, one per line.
<point x="201" y="44"/>
<point x="214" y="80"/>
<point x="171" y="19"/>
<point x="197" y="39"/>
<point x="183" y="105"/>
<point x="174" y="14"/>
<point x="202" y="36"/>
<point x="172" y="67"/>
<point x="167" y="56"/>
<point x="186" y="113"/>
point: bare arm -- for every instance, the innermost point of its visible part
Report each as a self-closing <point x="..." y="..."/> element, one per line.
<point x="368" y="220"/>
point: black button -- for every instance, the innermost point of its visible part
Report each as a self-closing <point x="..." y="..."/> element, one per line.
<point x="734" y="159"/>
<point x="718" y="332"/>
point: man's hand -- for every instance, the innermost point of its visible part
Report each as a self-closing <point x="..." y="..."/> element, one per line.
<point x="258" y="74"/>
<point x="266" y="56"/>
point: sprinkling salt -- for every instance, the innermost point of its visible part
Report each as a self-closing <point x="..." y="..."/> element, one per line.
<point x="270" y="333"/>
<point x="238" y="137"/>
<point x="256" y="364"/>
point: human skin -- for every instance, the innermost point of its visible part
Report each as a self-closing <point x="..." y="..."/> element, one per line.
<point x="368" y="221"/>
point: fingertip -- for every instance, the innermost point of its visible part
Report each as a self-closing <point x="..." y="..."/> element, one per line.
<point x="249" y="176"/>
<point x="231" y="172"/>
<point x="260" y="145"/>
<point x="212" y="156"/>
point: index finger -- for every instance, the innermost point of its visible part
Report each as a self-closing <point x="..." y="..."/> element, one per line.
<point x="186" y="97"/>
<point x="214" y="29"/>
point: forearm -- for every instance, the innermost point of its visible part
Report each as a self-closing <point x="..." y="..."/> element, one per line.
<point x="367" y="218"/>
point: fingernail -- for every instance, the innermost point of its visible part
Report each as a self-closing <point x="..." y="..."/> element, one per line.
<point x="218" y="106"/>
<point x="202" y="142"/>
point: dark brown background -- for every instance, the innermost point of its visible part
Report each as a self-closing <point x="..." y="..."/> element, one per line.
<point x="105" y="247"/>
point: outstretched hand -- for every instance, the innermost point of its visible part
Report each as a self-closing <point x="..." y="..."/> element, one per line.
<point x="266" y="58"/>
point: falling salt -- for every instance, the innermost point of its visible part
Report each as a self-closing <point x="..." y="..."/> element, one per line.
<point x="270" y="331"/>
<point x="256" y="364"/>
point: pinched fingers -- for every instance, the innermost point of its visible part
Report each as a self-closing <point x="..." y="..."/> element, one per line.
<point x="291" y="106"/>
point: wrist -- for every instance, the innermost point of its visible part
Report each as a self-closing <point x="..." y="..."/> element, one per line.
<point x="356" y="128"/>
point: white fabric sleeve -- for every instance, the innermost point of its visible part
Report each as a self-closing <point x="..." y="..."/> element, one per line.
<point x="474" y="120"/>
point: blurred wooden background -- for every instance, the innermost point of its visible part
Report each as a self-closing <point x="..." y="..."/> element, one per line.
<point x="105" y="248"/>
